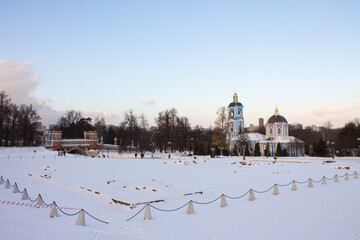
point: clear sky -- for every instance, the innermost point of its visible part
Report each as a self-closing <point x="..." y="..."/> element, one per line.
<point x="106" y="57"/>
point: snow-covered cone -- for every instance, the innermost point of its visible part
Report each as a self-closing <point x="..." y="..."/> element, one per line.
<point x="24" y="196"/>
<point x="15" y="188"/>
<point x="355" y="175"/>
<point x="39" y="201"/>
<point x="7" y="184"/>
<point x="310" y="183"/>
<point x="276" y="190"/>
<point x="81" y="219"/>
<point x="1" y="180"/>
<point x="53" y="212"/>
<point x="223" y="202"/>
<point x="147" y="214"/>
<point x="346" y="176"/>
<point x="323" y="181"/>
<point x="251" y="195"/>
<point x="336" y="179"/>
<point x="293" y="186"/>
<point x="190" y="209"/>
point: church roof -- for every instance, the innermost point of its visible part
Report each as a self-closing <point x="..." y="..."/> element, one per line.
<point x="233" y="104"/>
<point x="276" y="118"/>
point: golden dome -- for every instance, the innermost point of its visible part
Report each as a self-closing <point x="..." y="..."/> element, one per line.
<point x="235" y="95"/>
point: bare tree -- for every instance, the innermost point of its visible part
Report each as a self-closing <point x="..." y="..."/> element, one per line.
<point x="4" y="105"/>
<point x="219" y="132"/>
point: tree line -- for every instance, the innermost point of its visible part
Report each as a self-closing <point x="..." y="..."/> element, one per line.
<point x="19" y="126"/>
<point x="171" y="132"/>
<point x="18" y="123"/>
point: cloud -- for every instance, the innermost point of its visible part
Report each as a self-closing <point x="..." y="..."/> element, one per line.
<point x="357" y="105"/>
<point x="18" y="80"/>
<point x="334" y="110"/>
<point x="319" y="115"/>
<point x="98" y="114"/>
<point x="148" y="102"/>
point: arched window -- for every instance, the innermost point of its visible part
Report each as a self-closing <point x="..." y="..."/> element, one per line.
<point x="279" y="131"/>
<point x="271" y="132"/>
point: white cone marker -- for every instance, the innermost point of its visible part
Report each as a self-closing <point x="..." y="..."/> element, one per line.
<point x="81" y="219"/>
<point x="293" y="186"/>
<point x="7" y="184"/>
<point x="276" y="190"/>
<point x="223" y="202"/>
<point x="24" y="196"/>
<point x="53" y="212"/>
<point x="346" y="176"/>
<point x="323" y="181"/>
<point x="336" y="179"/>
<point x="39" y="201"/>
<point x="251" y="195"/>
<point x="147" y="214"/>
<point x="310" y="183"/>
<point x="190" y="209"/>
<point x="15" y="188"/>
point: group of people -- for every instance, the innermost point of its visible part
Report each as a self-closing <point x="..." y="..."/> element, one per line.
<point x="142" y="154"/>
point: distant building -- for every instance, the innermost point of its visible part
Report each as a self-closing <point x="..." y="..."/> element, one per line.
<point x="261" y="122"/>
<point x="276" y="131"/>
<point x="235" y="120"/>
<point x="89" y="145"/>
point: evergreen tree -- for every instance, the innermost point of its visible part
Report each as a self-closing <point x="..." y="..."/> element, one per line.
<point x="247" y="152"/>
<point x="257" y="150"/>
<point x="319" y="148"/>
<point x="279" y="151"/>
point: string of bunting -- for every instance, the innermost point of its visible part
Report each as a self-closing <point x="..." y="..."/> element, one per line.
<point x="223" y="203"/>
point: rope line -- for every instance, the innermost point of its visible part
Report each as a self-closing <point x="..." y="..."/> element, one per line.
<point x="176" y="209"/>
<point x="284" y="185"/>
<point x="169" y="210"/>
<point x="237" y="197"/>
<point x="280" y="185"/>
<point x="95" y="217"/>
<point x="137" y="213"/>
<point x="204" y="203"/>
<point x="264" y="191"/>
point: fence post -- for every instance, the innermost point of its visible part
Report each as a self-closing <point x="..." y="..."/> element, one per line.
<point x="251" y="195"/>
<point x="190" y="209"/>
<point x="223" y="202"/>
<point x="293" y="186"/>
<point x="147" y="214"/>
<point x="81" y="219"/>
<point x="310" y="183"/>
<point x="276" y="190"/>
<point x="25" y="195"/>
<point x="323" y="180"/>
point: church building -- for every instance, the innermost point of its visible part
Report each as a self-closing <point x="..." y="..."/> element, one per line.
<point x="276" y="131"/>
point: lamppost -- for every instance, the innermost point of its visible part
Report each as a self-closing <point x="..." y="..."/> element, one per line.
<point x="190" y="147"/>
<point x="102" y="146"/>
<point x="169" y="146"/>
<point x="212" y="150"/>
<point x="152" y="145"/>
<point x="331" y="144"/>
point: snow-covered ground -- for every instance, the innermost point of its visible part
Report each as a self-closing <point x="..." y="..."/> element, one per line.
<point x="325" y="211"/>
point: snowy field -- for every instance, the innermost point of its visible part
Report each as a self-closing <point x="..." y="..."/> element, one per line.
<point x="324" y="211"/>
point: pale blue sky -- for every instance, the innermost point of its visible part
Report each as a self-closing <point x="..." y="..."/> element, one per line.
<point x="112" y="56"/>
